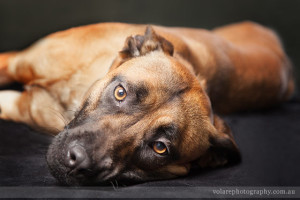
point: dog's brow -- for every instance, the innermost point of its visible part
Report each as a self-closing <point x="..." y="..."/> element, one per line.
<point x="90" y="101"/>
<point x="140" y="88"/>
<point x="117" y="78"/>
<point x="183" y="90"/>
<point x="178" y="93"/>
<point x="168" y="131"/>
<point x="141" y="91"/>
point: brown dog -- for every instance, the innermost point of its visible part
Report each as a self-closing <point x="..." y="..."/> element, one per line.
<point x="144" y="112"/>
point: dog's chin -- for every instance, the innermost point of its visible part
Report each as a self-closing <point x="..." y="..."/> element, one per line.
<point x="66" y="177"/>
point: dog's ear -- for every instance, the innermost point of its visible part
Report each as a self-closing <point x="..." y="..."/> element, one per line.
<point x="154" y="42"/>
<point x="223" y="149"/>
<point x="140" y="45"/>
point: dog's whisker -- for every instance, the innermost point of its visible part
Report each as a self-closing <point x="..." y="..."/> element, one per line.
<point x="51" y="128"/>
<point x="88" y="169"/>
<point x="113" y="185"/>
<point x="59" y="115"/>
<point x="117" y="183"/>
<point x="74" y="111"/>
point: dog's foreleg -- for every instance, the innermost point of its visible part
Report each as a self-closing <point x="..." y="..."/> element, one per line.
<point x="35" y="107"/>
<point x="5" y="78"/>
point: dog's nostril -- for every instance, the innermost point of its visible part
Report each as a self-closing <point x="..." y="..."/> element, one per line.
<point x="72" y="158"/>
<point x="75" y="156"/>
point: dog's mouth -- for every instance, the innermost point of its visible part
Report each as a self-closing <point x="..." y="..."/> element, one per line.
<point x="68" y="165"/>
<point x="92" y="177"/>
<point x="86" y="178"/>
<point x="89" y="176"/>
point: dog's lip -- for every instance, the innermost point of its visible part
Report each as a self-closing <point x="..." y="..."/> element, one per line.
<point x="92" y="176"/>
<point x="106" y="176"/>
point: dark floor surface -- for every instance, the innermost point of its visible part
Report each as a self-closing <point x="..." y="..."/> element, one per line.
<point x="269" y="141"/>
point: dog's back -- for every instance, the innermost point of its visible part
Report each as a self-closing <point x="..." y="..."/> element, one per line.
<point x="262" y="71"/>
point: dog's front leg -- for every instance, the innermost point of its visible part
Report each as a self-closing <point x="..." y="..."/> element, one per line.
<point x="35" y="107"/>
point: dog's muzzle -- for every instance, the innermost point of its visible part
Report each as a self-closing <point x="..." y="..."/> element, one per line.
<point x="71" y="161"/>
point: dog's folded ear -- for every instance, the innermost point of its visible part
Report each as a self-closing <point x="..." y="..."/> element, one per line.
<point x="140" y="45"/>
<point x="223" y="149"/>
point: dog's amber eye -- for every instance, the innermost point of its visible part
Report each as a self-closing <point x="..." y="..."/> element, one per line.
<point x="120" y="93"/>
<point x="159" y="147"/>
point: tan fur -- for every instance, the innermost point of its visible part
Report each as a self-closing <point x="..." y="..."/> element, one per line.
<point x="232" y="68"/>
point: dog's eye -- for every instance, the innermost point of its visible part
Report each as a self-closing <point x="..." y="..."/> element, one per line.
<point x="160" y="148"/>
<point x="120" y="93"/>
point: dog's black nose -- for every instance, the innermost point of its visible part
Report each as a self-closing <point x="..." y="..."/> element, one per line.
<point x="77" y="157"/>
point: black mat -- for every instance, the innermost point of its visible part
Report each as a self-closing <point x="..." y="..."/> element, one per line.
<point x="269" y="142"/>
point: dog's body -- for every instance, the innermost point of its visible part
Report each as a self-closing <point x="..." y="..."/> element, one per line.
<point x="239" y="67"/>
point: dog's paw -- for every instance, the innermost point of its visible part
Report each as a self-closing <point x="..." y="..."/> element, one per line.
<point x="8" y="104"/>
<point x="2" y="115"/>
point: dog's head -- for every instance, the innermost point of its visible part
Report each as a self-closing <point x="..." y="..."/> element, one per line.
<point x="149" y="118"/>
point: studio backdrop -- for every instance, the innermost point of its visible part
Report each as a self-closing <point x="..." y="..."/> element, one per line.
<point x="24" y="21"/>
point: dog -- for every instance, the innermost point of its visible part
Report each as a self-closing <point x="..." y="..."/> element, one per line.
<point x="141" y="102"/>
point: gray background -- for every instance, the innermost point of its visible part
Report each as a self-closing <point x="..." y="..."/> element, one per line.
<point x="24" y="21"/>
